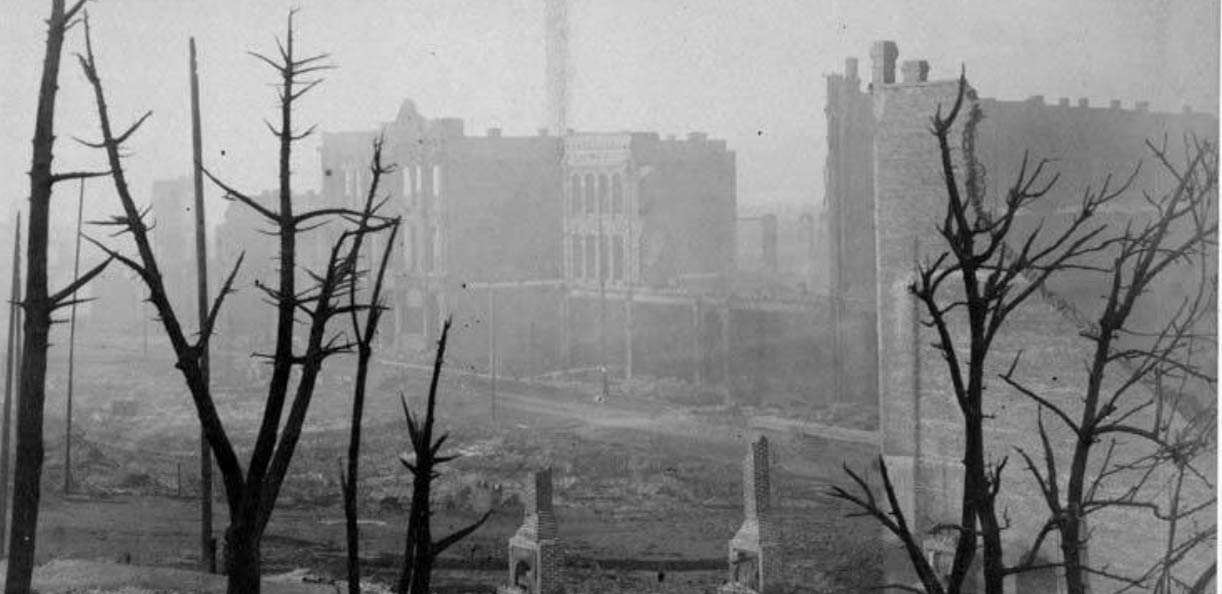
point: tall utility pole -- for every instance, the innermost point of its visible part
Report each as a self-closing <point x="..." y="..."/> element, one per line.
<point x="556" y="40"/>
<point x="12" y="362"/>
<point x="492" y="347"/>
<point x="207" y="548"/>
<point x="76" y="273"/>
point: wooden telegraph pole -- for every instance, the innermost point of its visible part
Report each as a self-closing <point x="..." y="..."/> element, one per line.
<point x="207" y="546"/>
<point x="76" y="273"/>
<point x="11" y="363"/>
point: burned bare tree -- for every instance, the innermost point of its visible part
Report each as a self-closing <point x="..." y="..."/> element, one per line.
<point x="364" y="331"/>
<point x="39" y="304"/>
<point x="1144" y="408"/>
<point x="251" y="492"/>
<point x="984" y="275"/>
<point x="421" y="550"/>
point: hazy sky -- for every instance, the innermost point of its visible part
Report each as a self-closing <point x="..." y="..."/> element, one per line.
<point x="749" y="72"/>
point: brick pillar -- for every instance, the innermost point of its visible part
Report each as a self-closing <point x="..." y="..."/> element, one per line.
<point x="755" y="550"/>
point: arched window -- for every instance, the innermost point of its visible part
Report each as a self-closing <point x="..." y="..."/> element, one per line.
<point x="589" y="183"/>
<point x="602" y="194"/>
<point x="617" y="194"/>
<point x="575" y="195"/>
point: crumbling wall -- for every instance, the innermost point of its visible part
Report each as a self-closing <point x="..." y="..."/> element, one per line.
<point x="687" y="206"/>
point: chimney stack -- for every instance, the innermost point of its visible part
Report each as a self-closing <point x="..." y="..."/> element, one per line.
<point x="882" y="57"/>
<point x="850" y="69"/>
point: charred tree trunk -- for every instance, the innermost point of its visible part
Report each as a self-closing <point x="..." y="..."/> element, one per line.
<point x="365" y="335"/>
<point x="243" y="562"/>
<point x="419" y="549"/>
<point x="38" y="306"/>
<point x="418" y="571"/>
<point x="352" y="529"/>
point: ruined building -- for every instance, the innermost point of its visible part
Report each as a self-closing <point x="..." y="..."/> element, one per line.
<point x="528" y="225"/>
<point x="475" y="209"/>
<point x="645" y="211"/>
<point x="884" y="196"/>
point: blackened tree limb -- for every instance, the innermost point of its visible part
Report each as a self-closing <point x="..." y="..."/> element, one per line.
<point x="133" y="222"/>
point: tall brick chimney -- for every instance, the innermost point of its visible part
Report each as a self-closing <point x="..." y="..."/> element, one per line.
<point x="755" y="550"/>
<point x="883" y="55"/>
<point x="535" y="555"/>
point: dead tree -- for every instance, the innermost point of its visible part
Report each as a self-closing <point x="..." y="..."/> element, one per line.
<point x="1145" y="413"/>
<point x="39" y="304"/>
<point x="984" y="275"/>
<point x="364" y="331"/>
<point x="251" y="491"/>
<point x="421" y="550"/>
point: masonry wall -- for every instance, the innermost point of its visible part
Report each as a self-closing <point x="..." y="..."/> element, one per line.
<point x="908" y="193"/>
<point x="503" y="209"/>
<point x="1088" y="144"/>
<point x="849" y="186"/>
<point x="1053" y="360"/>
<point x="921" y="423"/>
<point x="688" y="204"/>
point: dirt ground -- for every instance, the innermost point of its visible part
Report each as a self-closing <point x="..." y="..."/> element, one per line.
<point x="648" y="490"/>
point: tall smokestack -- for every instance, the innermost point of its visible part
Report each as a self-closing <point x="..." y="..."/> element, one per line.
<point x="557" y="40"/>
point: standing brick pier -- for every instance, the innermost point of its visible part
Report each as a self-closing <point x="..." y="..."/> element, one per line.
<point x="534" y="550"/>
<point x="755" y="550"/>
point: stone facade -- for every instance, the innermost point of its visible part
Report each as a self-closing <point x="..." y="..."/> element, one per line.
<point x="535" y="552"/>
<point x="755" y="550"/>
<point x="641" y="211"/>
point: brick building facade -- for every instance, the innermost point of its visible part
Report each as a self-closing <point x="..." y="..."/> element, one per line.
<point x="885" y="194"/>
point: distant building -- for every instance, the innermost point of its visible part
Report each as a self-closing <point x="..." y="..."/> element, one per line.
<point x="644" y="211"/>
<point x="476" y="209"/>
<point x="173" y="239"/>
